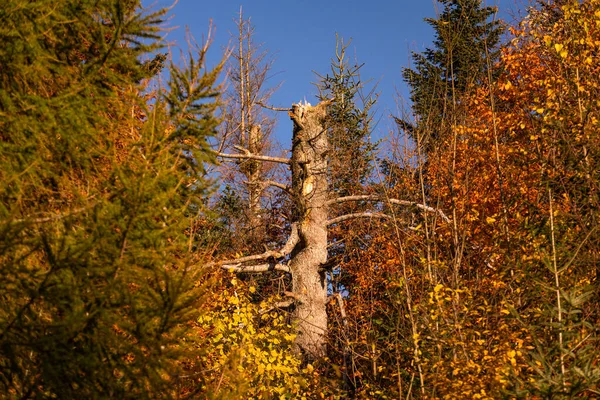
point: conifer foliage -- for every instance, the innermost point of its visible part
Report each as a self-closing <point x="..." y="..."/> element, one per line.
<point x="466" y="37"/>
<point x="95" y="192"/>
<point x="349" y="123"/>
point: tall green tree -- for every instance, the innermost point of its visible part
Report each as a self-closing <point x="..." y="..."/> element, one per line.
<point x="348" y="123"/>
<point x="351" y="153"/>
<point x="467" y="34"/>
<point x="97" y="189"/>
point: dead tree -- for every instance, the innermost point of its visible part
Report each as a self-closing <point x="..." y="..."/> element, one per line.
<point x="305" y="253"/>
<point x="246" y="125"/>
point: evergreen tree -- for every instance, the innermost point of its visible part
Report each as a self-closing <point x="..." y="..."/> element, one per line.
<point x="349" y="124"/>
<point x="96" y="191"/>
<point x="465" y="45"/>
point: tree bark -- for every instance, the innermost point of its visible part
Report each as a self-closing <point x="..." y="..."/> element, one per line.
<point x="255" y="186"/>
<point x="309" y="189"/>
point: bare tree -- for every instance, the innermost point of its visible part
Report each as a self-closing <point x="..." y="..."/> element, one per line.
<point x="246" y="125"/>
<point x="304" y="255"/>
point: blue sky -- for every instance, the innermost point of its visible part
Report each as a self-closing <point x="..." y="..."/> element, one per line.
<point x="301" y="37"/>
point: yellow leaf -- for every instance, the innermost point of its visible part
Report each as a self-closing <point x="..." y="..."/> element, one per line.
<point x="564" y="54"/>
<point x="490" y="220"/>
<point x="558" y="47"/>
<point x="252" y="289"/>
<point x="547" y="40"/>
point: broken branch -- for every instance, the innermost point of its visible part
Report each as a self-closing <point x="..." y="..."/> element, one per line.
<point x="278" y="305"/>
<point x="256" y="268"/>
<point x="272" y="108"/>
<point x="266" y="184"/>
<point x="236" y="265"/>
<point x="357" y="215"/>
<point x="255" y="157"/>
<point x="277" y="185"/>
<point x="340" y="301"/>
<point x="423" y="207"/>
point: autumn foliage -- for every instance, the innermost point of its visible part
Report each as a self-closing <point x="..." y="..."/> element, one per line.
<point x="482" y="284"/>
<point x="500" y="301"/>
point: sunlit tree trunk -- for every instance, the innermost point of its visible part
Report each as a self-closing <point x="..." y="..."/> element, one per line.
<point x="309" y="188"/>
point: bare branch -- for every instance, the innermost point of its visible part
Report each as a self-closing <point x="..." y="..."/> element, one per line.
<point x="236" y="265"/>
<point x="340" y="301"/>
<point x="249" y="156"/>
<point x="268" y="183"/>
<point x="284" y="251"/>
<point x="357" y="215"/>
<point x="291" y="242"/>
<point x="285" y="303"/>
<point x="256" y="268"/>
<point x="292" y="295"/>
<point x="254" y="257"/>
<point x="272" y="108"/>
<point x="391" y="201"/>
<point x="278" y="305"/>
<point x="242" y="149"/>
<point x="277" y="185"/>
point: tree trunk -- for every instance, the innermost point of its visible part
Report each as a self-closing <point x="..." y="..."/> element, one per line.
<point x="254" y="183"/>
<point x="309" y="187"/>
